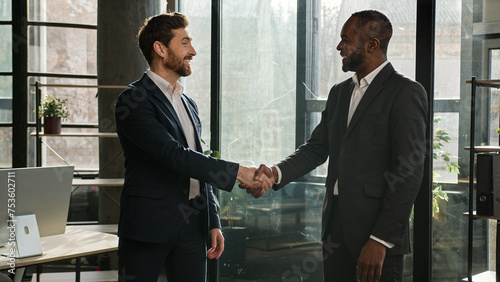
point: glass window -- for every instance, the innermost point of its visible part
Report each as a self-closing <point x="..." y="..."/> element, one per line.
<point x="5" y="48"/>
<point x="446" y="124"/>
<point x="448" y="49"/>
<point x="258" y="80"/>
<point x="494" y="119"/>
<point x="5" y="147"/>
<point x="401" y="50"/>
<point x="5" y="10"/>
<point x="197" y="85"/>
<point x="63" y="11"/>
<point x="81" y="152"/>
<point x="258" y="73"/>
<point x="62" y="50"/>
<point x="76" y="97"/>
<point x="459" y="55"/>
<point x="5" y="99"/>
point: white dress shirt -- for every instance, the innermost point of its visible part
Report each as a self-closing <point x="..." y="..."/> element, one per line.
<point x="174" y="94"/>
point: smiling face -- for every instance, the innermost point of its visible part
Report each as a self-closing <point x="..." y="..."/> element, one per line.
<point x="352" y="46"/>
<point x="180" y="52"/>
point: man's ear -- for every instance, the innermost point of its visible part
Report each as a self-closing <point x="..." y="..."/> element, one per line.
<point x="373" y="44"/>
<point x="160" y="49"/>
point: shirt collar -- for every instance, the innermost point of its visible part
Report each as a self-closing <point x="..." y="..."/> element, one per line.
<point x="367" y="80"/>
<point x="164" y="85"/>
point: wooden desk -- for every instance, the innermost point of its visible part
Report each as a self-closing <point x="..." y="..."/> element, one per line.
<point x="105" y="228"/>
<point x="75" y="243"/>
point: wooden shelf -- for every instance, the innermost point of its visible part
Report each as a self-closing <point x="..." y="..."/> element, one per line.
<point x="484" y="148"/>
<point x="474" y="215"/>
<point x="486" y="82"/>
<point x="78" y="134"/>
<point x="79" y="86"/>
<point x="483" y="276"/>
<point x="98" y="182"/>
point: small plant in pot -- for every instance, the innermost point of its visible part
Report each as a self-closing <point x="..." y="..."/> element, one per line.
<point x="53" y="110"/>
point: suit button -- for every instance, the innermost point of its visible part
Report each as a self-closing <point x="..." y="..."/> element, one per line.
<point x="185" y="191"/>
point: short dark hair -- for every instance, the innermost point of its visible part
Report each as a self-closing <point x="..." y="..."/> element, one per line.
<point x="375" y="25"/>
<point x="159" y="28"/>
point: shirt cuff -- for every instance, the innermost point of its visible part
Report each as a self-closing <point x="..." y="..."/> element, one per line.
<point x="278" y="181"/>
<point x="387" y="244"/>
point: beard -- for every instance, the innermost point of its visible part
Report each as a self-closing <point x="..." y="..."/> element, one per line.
<point x="353" y="61"/>
<point x="176" y="64"/>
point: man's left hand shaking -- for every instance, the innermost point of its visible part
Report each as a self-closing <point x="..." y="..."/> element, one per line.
<point x="370" y="262"/>
<point x="217" y="244"/>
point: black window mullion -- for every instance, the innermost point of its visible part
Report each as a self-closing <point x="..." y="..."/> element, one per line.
<point x="61" y="75"/>
<point x="301" y="74"/>
<point x="424" y="73"/>
<point x="19" y="83"/>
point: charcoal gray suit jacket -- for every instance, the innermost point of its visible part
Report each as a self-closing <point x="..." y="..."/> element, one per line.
<point x="377" y="160"/>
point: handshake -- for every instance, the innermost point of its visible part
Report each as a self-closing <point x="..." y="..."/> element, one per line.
<point x="257" y="181"/>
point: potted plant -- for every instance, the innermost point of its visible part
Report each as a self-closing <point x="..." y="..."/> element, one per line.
<point x="53" y="110"/>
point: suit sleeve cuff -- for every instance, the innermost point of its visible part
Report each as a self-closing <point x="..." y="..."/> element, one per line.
<point x="278" y="181"/>
<point x="387" y="244"/>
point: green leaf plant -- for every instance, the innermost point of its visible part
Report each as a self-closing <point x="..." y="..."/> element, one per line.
<point x="54" y="107"/>
<point x="210" y="152"/>
<point x="441" y="138"/>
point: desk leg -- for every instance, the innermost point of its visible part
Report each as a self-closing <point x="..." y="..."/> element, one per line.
<point x="38" y="272"/>
<point x="78" y="268"/>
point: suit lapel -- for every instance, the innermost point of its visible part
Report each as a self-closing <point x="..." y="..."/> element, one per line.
<point x="344" y="101"/>
<point x="161" y="97"/>
<point x="373" y="90"/>
<point x="189" y="110"/>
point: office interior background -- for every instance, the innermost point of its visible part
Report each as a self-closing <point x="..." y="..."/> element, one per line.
<point x="261" y="78"/>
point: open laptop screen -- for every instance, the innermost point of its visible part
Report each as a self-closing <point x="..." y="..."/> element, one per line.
<point x="44" y="191"/>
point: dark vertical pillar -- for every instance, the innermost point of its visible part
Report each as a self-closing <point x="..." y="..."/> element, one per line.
<point x="422" y="255"/>
<point x="215" y="104"/>
<point x="20" y="83"/>
<point x="300" y="105"/>
<point x="119" y="62"/>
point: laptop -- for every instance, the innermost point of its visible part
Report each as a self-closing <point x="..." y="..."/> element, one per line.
<point x="44" y="191"/>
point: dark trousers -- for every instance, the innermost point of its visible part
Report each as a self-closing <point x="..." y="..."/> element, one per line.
<point x="184" y="258"/>
<point x="340" y="265"/>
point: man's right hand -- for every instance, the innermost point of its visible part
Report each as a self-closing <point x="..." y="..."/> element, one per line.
<point x="256" y="182"/>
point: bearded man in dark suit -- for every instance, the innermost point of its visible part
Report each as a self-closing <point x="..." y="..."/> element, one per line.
<point x="373" y="132"/>
<point x="167" y="208"/>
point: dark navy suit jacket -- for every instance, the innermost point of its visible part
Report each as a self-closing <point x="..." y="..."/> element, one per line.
<point x="378" y="159"/>
<point x="158" y="166"/>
